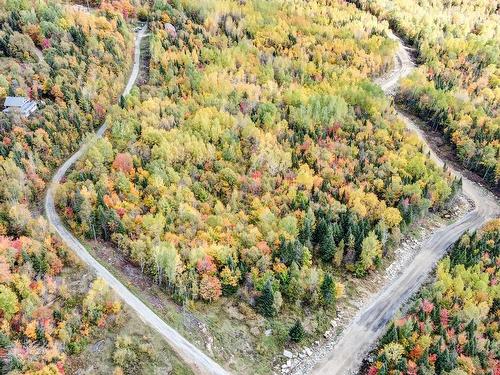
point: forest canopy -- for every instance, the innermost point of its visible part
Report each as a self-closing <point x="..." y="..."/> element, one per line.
<point x="73" y="64"/>
<point x="83" y="59"/>
<point x="259" y="159"/>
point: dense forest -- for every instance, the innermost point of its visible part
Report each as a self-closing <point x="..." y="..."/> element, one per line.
<point x="257" y="163"/>
<point x="457" y="89"/>
<point x="82" y="64"/>
<point x="452" y="327"/>
<point x="74" y="65"/>
<point x="259" y="159"/>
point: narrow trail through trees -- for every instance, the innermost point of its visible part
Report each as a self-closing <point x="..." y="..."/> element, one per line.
<point x="370" y="322"/>
<point x="190" y="354"/>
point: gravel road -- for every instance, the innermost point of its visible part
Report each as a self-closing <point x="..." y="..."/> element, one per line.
<point x="370" y="322"/>
<point x="191" y="355"/>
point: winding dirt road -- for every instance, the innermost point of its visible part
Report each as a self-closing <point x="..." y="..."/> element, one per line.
<point x="191" y="355"/>
<point x="371" y="321"/>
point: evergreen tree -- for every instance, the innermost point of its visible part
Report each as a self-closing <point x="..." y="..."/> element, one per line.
<point x="40" y="264"/>
<point x="291" y="251"/>
<point x="421" y="315"/>
<point x="328" y="290"/>
<point x="444" y="362"/>
<point x="435" y="348"/>
<point x="483" y="360"/>
<point x="297" y="332"/>
<point x="455" y="323"/>
<point x="436" y="314"/>
<point x="327" y="245"/>
<point x="390" y="336"/>
<point x="321" y="229"/>
<point x="14" y="20"/>
<point x="402" y="365"/>
<point x="471" y="345"/>
<point x="265" y="302"/>
<point x="424" y="359"/>
<point x="453" y="354"/>
<point x="306" y="232"/>
<point x="337" y="232"/>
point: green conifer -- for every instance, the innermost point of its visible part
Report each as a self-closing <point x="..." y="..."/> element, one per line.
<point x="327" y="245"/>
<point x="265" y="302"/>
<point x="296" y="333"/>
<point x="328" y="290"/>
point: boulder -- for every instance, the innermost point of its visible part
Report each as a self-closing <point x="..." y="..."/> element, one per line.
<point x="255" y="331"/>
<point x="170" y="29"/>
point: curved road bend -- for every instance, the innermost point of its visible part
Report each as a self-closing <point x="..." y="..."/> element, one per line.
<point x="371" y="321"/>
<point x="191" y="355"/>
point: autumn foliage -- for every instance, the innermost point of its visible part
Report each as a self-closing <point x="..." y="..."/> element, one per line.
<point x="258" y="156"/>
<point x="452" y="327"/>
<point x="80" y="71"/>
<point x="40" y="322"/>
<point x="73" y="64"/>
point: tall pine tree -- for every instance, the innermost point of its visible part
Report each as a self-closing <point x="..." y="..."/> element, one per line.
<point x="265" y="302"/>
<point x="328" y="290"/>
<point x="327" y="245"/>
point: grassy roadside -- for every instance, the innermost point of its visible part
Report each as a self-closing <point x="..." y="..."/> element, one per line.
<point x="232" y="333"/>
<point x="100" y="355"/>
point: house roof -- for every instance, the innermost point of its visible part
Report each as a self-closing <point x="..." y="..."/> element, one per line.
<point x="15" y="101"/>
